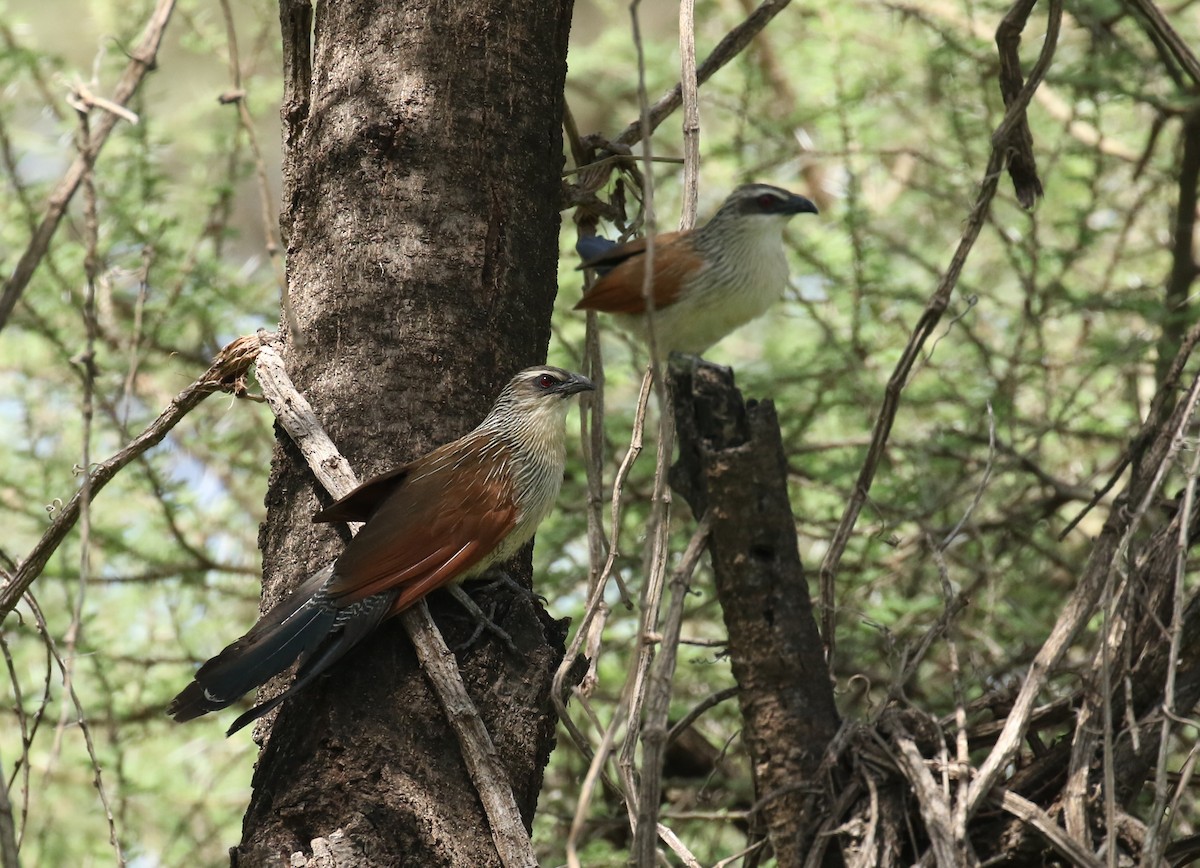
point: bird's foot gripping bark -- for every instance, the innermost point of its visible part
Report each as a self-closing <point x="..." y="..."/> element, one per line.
<point x="499" y="578"/>
<point x="482" y="622"/>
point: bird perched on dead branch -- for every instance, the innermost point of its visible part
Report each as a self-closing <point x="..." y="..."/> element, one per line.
<point x="443" y="518"/>
<point x="706" y="282"/>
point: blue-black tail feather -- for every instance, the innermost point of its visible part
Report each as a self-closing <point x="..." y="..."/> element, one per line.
<point x="305" y="625"/>
<point x="590" y="247"/>
<point x="351" y="626"/>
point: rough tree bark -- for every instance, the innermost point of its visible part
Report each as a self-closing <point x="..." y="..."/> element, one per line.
<point x="732" y="465"/>
<point x="420" y="209"/>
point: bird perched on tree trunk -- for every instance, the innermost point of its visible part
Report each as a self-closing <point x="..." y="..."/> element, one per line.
<point x="706" y="282"/>
<point x="444" y="518"/>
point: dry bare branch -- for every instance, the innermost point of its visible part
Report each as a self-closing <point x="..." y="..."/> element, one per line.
<point x="1106" y="553"/>
<point x="930" y="317"/>
<point x="297" y="418"/>
<point x="654" y="733"/>
<point x="142" y="60"/>
<point x="727" y="49"/>
<point x="225" y="374"/>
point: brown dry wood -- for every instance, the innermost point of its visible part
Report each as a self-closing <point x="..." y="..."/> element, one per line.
<point x="1033" y="819"/>
<point x="1018" y="140"/>
<point x="419" y="212"/>
<point x="732" y="464"/>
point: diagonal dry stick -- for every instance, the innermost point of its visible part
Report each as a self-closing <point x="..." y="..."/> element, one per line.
<point x="1156" y="23"/>
<point x="296" y="417"/>
<point x="727" y="49"/>
<point x="141" y="61"/>
<point x="930" y="317"/>
<point x="227" y="370"/>
<point x="1110" y="550"/>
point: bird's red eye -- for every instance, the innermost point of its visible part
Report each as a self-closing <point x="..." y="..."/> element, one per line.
<point x="766" y="201"/>
<point x="545" y="381"/>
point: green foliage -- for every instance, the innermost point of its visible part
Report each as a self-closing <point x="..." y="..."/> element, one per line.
<point x="1055" y="325"/>
<point x="172" y="538"/>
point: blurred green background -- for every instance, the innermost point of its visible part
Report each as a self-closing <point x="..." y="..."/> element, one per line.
<point x="880" y="111"/>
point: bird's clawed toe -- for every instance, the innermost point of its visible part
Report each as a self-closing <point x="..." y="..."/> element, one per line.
<point x="497" y="578"/>
<point x="483" y="621"/>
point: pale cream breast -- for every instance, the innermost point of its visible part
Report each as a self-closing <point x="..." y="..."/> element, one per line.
<point x="741" y="285"/>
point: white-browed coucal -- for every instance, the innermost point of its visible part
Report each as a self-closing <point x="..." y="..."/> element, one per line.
<point x="443" y="518"/>
<point x="707" y="281"/>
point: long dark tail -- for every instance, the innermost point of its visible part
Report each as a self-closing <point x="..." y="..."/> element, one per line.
<point x="304" y="625"/>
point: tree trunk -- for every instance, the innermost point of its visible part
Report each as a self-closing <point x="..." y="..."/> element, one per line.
<point x="732" y="465"/>
<point x="421" y="189"/>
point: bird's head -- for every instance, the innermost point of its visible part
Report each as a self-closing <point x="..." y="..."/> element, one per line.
<point x="763" y="200"/>
<point x="546" y="384"/>
<point x="538" y="396"/>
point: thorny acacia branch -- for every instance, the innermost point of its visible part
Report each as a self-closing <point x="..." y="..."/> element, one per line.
<point x="142" y="60"/>
<point x="225" y="374"/>
<point x="935" y="307"/>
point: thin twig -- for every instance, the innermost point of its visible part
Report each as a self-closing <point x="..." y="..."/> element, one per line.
<point x="1154" y="845"/>
<point x="1108" y="642"/>
<point x="80" y="719"/>
<point x="227" y="370"/>
<point x="654" y="734"/>
<point x="930" y="316"/>
<point x="987" y="475"/>
<point x="1158" y="25"/>
<point x="643" y="817"/>
<point x="266" y="198"/>
<point x="87" y="362"/>
<point x="710" y="701"/>
<point x="1030" y="814"/>
<point x="690" y="91"/>
<point x="10" y="857"/>
<point x="595" y="599"/>
<point x="588" y="787"/>
<point x="591" y="423"/>
<point x="618" y="160"/>
<point x="142" y="60"/>
<point x="727" y="49"/>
